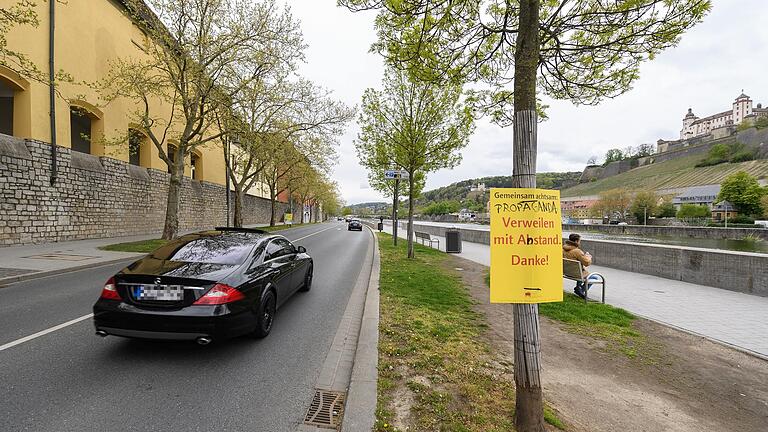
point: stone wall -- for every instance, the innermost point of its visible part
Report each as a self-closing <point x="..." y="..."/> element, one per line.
<point x="98" y="197"/>
<point x="618" y="167"/>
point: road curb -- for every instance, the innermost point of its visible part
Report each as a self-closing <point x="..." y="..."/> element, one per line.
<point x="360" y="410"/>
<point x="41" y="274"/>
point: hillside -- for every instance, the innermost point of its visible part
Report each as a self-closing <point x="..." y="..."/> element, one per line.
<point x="460" y="191"/>
<point x="676" y="173"/>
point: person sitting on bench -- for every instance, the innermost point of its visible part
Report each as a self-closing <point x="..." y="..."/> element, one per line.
<point x="572" y="250"/>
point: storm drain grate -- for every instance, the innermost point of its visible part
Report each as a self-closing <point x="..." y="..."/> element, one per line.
<point x="326" y="409"/>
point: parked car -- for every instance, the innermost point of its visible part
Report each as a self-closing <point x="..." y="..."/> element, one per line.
<point x="204" y="286"/>
<point x="355" y="224"/>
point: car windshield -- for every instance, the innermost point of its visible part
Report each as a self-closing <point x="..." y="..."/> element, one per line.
<point x="212" y="250"/>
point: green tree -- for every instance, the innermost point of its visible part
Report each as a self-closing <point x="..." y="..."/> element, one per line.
<point x="666" y="209"/>
<point x="582" y="51"/>
<point x="744" y="192"/>
<point x="691" y="211"/>
<point x="614" y="155"/>
<point x="644" y="205"/>
<point x="417" y="127"/>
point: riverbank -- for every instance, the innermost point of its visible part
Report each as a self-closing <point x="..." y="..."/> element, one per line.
<point x="446" y="361"/>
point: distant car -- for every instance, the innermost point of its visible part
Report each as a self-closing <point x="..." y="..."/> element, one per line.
<point x="347" y="219"/>
<point x="621" y="223"/>
<point x="355" y="224"/>
<point x="204" y="286"/>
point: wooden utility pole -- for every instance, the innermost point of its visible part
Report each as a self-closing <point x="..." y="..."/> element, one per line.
<point x="529" y="412"/>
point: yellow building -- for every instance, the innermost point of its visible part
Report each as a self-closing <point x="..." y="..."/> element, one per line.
<point x="88" y="35"/>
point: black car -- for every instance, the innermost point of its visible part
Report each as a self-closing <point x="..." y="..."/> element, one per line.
<point x="204" y="286"/>
<point x="355" y="224"/>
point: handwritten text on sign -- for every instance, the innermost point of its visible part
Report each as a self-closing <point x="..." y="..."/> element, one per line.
<point x="526" y="249"/>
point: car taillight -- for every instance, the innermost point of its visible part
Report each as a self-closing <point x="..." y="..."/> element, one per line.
<point x="220" y="294"/>
<point x="110" y="290"/>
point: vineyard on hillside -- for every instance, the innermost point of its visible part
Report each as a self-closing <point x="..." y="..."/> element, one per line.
<point x="676" y="173"/>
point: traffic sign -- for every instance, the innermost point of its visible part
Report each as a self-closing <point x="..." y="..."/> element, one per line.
<point x="396" y="174"/>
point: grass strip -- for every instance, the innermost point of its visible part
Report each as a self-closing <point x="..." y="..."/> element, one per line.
<point x="600" y="321"/>
<point x="143" y="246"/>
<point x="435" y="370"/>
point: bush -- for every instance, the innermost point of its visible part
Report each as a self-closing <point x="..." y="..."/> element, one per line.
<point x="666" y="209"/>
<point x="740" y="219"/>
<point x="733" y="152"/>
<point x="743" y="156"/>
<point x="761" y="122"/>
<point x="693" y="211"/>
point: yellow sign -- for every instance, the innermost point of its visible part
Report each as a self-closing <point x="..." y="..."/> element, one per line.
<point x="289" y="218"/>
<point x="526" y="246"/>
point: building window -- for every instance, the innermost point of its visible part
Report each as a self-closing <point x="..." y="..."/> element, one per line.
<point x="195" y="167"/>
<point x="135" y="147"/>
<point x="80" y="129"/>
<point x="171" y="151"/>
<point x="6" y="109"/>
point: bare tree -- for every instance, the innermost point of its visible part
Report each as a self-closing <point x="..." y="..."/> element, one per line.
<point x="192" y="47"/>
<point x="294" y="109"/>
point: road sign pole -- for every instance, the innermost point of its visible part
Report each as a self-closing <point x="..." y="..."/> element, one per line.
<point x="394" y="211"/>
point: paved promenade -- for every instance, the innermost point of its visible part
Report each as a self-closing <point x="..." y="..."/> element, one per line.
<point x="736" y="319"/>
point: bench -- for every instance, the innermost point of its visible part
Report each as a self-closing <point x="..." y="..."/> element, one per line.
<point x="424" y="237"/>
<point x="573" y="270"/>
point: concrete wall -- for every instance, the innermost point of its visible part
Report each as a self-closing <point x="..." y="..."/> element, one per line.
<point x="98" y="197"/>
<point x="734" y="271"/>
<point x="671" y="231"/>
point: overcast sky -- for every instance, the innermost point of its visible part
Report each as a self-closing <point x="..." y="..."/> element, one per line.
<point x="726" y="53"/>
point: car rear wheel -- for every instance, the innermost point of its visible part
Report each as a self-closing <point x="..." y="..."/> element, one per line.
<point x="307" y="280"/>
<point x="265" y="315"/>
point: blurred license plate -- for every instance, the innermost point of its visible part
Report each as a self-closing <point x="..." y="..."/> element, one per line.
<point x="151" y="292"/>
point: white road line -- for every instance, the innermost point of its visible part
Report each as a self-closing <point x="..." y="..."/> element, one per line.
<point x="44" y="332"/>
<point x="317" y="232"/>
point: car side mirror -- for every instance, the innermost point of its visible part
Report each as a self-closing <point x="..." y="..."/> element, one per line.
<point x="301" y="249"/>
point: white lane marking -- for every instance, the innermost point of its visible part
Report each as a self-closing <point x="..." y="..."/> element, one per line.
<point x="316" y="232"/>
<point x="44" y="332"/>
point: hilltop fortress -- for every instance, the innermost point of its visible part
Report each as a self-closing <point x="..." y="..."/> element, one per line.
<point x="697" y="136"/>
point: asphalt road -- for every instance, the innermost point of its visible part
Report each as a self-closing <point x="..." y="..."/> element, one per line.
<point x="72" y="380"/>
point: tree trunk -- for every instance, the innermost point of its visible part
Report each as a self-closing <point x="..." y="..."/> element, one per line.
<point x="272" y="198"/>
<point x="529" y="405"/>
<point x="171" y="227"/>
<point x="410" y="216"/>
<point x="310" y="213"/>
<point x="238" y="216"/>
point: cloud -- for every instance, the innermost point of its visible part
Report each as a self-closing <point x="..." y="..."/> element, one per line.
<point x="706" y="72"/>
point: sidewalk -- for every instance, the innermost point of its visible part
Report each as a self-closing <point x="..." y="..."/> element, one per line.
<point x="736" y="319"/>
<point x="38" y="260"/>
